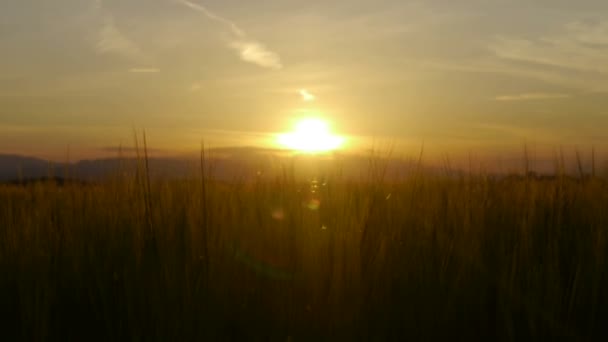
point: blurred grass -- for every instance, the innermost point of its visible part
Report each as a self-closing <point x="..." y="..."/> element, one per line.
<point x="426" y="257"/>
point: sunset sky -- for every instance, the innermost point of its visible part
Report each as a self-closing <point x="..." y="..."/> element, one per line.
<point x="480" y="74"/>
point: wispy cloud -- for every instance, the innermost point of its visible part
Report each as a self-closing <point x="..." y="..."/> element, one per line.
<point x="144" y="70"/>
<point x="307" y="96"/>
<point x="531" y="96"/>
<point x="256" y="53"/>
<point x="129" y="150"/>
<point x="202" y="9"/>
<point x="248" y="49"/>
<point x="194" y="87"/>
<point x="112" y="40"/>
<point x="580" y="49"/>
<point x="561" y="51"/>
<point x="574" y="57"/>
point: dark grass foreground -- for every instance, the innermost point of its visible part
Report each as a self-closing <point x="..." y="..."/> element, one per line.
<point x="425" y="258"/>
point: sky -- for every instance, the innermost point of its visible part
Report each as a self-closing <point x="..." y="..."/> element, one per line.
<point x="481" y="75"/>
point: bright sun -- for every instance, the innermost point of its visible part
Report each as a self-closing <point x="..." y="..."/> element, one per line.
<point x="311" y="136"/>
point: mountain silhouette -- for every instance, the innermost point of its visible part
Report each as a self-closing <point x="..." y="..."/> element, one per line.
<point x="227" y="164"/>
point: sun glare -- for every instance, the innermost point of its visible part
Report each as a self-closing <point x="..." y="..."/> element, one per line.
<point x="311" y="136"/>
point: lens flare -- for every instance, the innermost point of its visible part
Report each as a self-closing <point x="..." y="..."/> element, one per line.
<point x="278" y="214"/>
<point x="313" y="204"/>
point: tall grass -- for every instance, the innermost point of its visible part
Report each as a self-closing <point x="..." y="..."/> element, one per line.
<point x="426" y="257"/>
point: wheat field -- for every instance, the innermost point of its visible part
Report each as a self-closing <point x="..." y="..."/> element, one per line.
<point x="425" y="257"/>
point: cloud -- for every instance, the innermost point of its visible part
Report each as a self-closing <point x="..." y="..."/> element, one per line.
<point x="129" y="150"/>
<point x="249" y="50"/>
<point x="531" y="96"/>
<point x="112" y="41"/>
<point x="195" y="87"/>
<point x="202" y="9"/>
<point x="144" y="70"/>
<point x="593" y="34"/>
<point x="307" y="96"/>
<point x="256" y="53"/>
<point x="560" y="51"/>
<point x="573" y="57"/>
<point x="579" y="51"/>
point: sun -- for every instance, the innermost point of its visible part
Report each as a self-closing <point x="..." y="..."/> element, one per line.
<point x="311" y="135"/>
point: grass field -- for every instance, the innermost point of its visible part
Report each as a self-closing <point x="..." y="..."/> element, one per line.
<point x="422" y="258"/>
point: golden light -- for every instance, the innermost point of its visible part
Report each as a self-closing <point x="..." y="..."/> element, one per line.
<point x="311" y="135"/>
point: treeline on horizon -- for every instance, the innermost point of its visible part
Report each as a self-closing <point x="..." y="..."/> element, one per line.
<point x="426" y="256"/>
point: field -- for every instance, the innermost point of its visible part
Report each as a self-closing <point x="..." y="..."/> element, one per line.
<point x="424" y="257"/>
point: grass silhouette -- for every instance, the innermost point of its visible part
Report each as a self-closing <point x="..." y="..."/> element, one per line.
<point x="426" y="257"/>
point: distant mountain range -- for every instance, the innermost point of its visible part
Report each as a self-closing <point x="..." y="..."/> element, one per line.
<point x="223" y="164"/>
<point x="228" y="164"/>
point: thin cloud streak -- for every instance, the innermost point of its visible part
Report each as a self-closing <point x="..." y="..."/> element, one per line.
<point x="579" y="49"/>
<point x="531" y="96"/>
<point x="111" y="40"/>
<point x="202" y="9"/>
<point x="129" y="150"/>
<point x="195" y="87"/>
<point x="249" y="50"/>
<point x="144" y="70"/>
